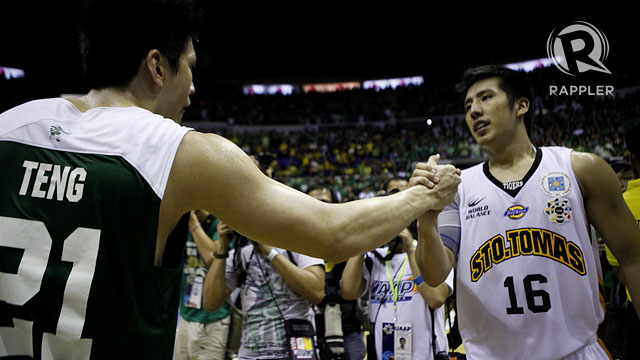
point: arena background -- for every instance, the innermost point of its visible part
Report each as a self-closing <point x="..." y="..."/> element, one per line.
<point x="352" y="139"/>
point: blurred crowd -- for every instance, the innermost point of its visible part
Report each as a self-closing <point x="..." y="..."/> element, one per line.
<point x="354" y="140"/>
<point x="357" y="159"/>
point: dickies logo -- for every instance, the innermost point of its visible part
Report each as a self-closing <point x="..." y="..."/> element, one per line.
<point x="516" y="212"/>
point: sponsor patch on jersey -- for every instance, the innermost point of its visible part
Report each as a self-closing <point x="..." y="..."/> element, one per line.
<point x="558" y="210"/>
<point x="474" y="202"/>
<point x="476" y="210"/>
<point x="556" y="184"/>
<point x="516" y="212"/>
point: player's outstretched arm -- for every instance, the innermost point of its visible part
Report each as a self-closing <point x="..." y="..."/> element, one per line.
<point x="610" y="215"/>
<point x="213" y="174"/>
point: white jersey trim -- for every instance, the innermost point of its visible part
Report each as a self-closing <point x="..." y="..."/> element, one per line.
<point x="147" y="141"/>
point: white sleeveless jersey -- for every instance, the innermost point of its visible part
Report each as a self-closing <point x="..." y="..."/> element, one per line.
<point x="527" y="269"/>
<point x="80" y="195"/>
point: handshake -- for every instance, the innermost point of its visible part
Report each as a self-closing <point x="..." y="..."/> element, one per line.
<point x="441" y="180"/>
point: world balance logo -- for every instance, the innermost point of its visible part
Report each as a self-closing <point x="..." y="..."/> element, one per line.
<point x="578" y="48"/>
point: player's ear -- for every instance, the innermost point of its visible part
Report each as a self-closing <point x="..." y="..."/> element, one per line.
<point x="522" y="106"/>
<point x="153" y="66"/>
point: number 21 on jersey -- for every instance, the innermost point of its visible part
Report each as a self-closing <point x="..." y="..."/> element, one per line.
<point x="33" y="244"/>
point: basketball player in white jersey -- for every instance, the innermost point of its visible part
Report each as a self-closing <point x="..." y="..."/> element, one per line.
<point x="518" y="234"/>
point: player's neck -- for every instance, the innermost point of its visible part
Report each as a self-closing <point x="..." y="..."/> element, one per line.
<point x="107" y="97"/>
<point x="508" y="154"/>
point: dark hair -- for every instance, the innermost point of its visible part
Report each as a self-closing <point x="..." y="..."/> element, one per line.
<point x="395" y="177"/>
<point x="334" y="195"/>
<point x="620" y="165"/>
<point x="116" y="35"/>
<point x="515" y="83"/>
<point x="632" y="138"/>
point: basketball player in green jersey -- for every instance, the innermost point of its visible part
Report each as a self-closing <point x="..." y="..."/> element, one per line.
<point x="93" y="187"/>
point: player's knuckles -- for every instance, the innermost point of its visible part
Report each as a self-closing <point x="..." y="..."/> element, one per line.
<point x="427" y="174"/>
<point x="447" y="169"/>
<point x="418" y="181"/>
<point x="414" y="181"/>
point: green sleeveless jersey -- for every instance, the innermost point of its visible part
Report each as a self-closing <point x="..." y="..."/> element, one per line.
<point x="79" y="201"/>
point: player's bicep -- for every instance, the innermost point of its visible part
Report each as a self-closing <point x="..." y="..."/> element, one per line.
<point x="604" y="204"/>
<point x="216" y="175"/>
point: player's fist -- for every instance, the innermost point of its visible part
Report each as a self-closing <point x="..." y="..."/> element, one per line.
<point x="426" y="173"/>
<point x="444" y="193"/>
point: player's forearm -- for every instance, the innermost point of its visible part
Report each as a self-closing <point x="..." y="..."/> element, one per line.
<point x="363" y="226"/>
<point x="432" y="256"/>
<point x="631" y="274"/>
<point x="352" y="281"/>
<point x="234" y="189"/>
<point x="303" y="282"/>
<point x="215" y="291"/>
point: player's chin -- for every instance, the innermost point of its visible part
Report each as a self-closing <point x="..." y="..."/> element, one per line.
<point x="483" y="138"/>
<point x="479" y="139"/>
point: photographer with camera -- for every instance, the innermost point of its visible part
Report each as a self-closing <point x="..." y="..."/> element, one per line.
<point x="201" y="334"/>
<point x="340" y="325"/>
<point x="278" y="290"/>
<point x="397" y="311"/>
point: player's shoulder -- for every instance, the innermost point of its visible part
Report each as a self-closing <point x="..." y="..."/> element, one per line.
<point x="196" y="142"/>
<point x="594" y="174"/>
<point x="580" y="158"/>
<point x="472" y="171"/>
<point x="39" y="104"/>
<point x="30" y="111"/>
<point x="584" y="164"/>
